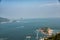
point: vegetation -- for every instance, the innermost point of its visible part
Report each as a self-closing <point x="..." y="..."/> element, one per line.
<point x="54" y="37"/>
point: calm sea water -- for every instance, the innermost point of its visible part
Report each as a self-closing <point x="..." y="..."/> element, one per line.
<point x="19" y="31"/>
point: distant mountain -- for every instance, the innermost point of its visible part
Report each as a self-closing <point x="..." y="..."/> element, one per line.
<point x="4" y="19"/>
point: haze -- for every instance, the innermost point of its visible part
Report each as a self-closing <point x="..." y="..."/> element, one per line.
<point x="15" y="9"/>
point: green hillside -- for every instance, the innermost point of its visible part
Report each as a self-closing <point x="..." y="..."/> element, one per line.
<point x="55" y="37"/>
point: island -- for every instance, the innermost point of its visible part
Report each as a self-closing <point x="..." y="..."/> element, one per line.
<point x="4" y="19"/>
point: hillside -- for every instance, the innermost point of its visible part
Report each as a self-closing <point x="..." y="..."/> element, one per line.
<point x="56" y="37"/>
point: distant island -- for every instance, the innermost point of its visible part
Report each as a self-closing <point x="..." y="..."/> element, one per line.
<point x="4" y="19"/>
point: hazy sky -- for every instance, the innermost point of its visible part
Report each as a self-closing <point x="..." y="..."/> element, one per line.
<point x="15" y="9"/>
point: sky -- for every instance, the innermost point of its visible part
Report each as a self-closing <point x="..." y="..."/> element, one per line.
<point x="15" y="9"/>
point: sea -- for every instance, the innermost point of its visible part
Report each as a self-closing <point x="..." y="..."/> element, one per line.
<point x="27" y="27"/>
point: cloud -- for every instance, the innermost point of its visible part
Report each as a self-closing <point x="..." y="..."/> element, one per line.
<point x="50" y="4"/>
